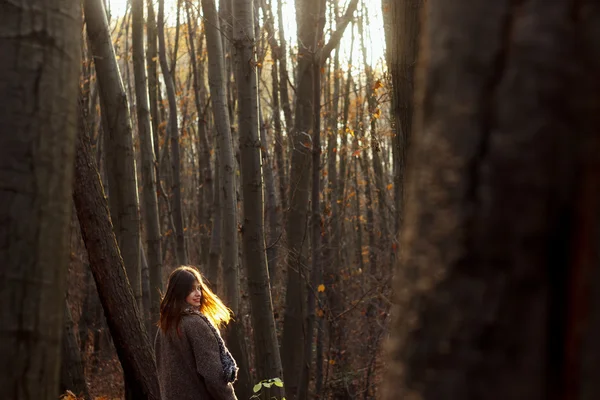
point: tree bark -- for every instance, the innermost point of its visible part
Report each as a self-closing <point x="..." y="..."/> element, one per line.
<point x="149" y="191"/>
<point x="268" y="361"/>
<point x="40" y="44"/>
<point x="502" y="205"/>
<point x="173" y="133"/>
<point x="120" y="157"/>
<point x="120" y="307"/>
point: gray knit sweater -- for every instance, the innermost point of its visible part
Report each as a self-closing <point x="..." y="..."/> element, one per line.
<point x="190" y="366"/>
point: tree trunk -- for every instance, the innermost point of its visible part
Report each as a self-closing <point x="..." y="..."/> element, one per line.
<point x="72" y="373"/>
<point x="500" y="234"/>
<point x="268" y="362"/>
<point x="402" y="20"/>
<point x="206" y="186"/>
<point x="277" y="209"/>
<point x="332" y="177"/>
<point x="271" y="217"/>
<point x="214" y="256"/>
<point x="40" y="44"/>
<point x="308" y="56"/>
<point x="283" y="73"/>
<point x="152" y="222"/>
<point x="374" y="113"/>
<point x="315" y="233"/>
<point x="226" y="189"/>
<point x="124" y="319"/>
<point x="173" y="132"/>
<point x="122" y="180"/>
<point x="151" y="62"/>
<point x="292" y="350"/>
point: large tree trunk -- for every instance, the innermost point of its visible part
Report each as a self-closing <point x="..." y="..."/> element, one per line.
<point x="173" y="132"/>
<point x="120" y="167"/>
<point x="268" y="362"/>
<point x="72" y="373"/>
<point x="226" y="189"/>
<point x="148" y="162"/>
<point x="402" y="22"/>
<point x="124" y="319"/>
<point x="501" y="220"/>
<point x="40" y="44"/>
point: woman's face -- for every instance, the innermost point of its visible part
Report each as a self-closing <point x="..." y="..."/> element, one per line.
<point x="195" y="297"/>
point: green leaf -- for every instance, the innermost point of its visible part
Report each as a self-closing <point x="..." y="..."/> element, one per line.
<point x="267" y="384"/>
<point x="257" y="387"/>
<point x="277" y="380"/>
<point x="278" y="383"/>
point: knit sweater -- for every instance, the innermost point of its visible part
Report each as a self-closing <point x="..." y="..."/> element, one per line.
<point x="189" y="365"/>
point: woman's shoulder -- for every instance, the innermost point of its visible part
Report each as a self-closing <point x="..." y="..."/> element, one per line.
<point x="194" y="320"/>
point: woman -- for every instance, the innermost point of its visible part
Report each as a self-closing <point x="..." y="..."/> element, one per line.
<point x="192" y="360"/>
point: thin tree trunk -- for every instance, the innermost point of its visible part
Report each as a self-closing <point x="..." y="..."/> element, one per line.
<point x="173" y="132"/>
<point x="40" y="43"/>
<point x="315" y="237"/>
<point x="72" y="374"/>
<point x="146" y="302"/>
<point x="280" y="144"/>
<point x="120" y="157"/>
<point x="226" y="189"/>
<point x="297" y="220"/>
<point x="279" y="149"/>
<point x="271" y="216"/>
<point x="307" y="20"/>
<point x="226" y="24"/>
<point x="152" y="65"/>
<point x="214" y="256"/>
<point x="332" y="278"/>
<point x="374" y="113"/>
<point x="151" y="218"/>
<point x="283" y="72"/>
<point x="358" y="226"/>
<point x="268" y="362"/>
<point x="206" y="187"/>
<point x="502" y="205"/>
<point x="120" y="307"/>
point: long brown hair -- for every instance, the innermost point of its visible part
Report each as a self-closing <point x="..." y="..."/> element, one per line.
<point x="182" y="282"/>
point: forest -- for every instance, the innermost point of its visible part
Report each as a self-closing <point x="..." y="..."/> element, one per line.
<point x="396" y="199"/>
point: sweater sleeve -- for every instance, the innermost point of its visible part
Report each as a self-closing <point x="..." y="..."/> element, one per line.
<point x="208" y="359"/>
